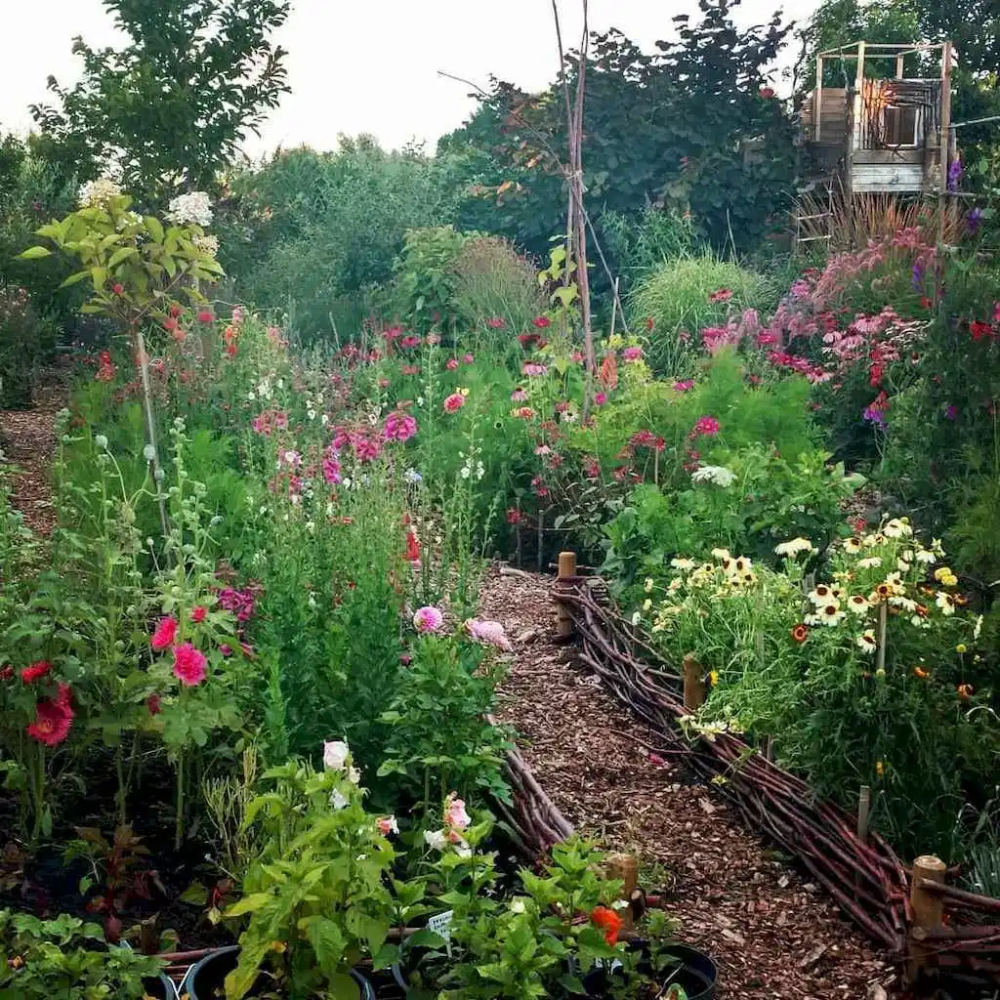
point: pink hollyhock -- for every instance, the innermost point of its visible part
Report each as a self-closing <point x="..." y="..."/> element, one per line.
<point x="451" y="364"/>
<point x="38" y="669"/>
<point x="632" y="354"/>
<point x="198" y="614"/>
<point x="165" y="633"/>
<point x="707" y="426"/>
<point x="189" y="664"/>
<point x="400" y="426"/>
<point x="455" y="815"/>
<point x="53" y="718"/>
<point x="428" y="619"/>
<point x="331" y="469"/>
<point x="454" y="402"/>
<point x="367" y="449"/>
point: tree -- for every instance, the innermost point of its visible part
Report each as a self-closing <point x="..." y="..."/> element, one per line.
<point x="169" y="110"/>
<point x="692" y="126"/>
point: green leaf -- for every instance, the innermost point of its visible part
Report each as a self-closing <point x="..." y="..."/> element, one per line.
<point x="122" y="253"/>
<point x="34" y="253"/>
<point x="196" y="894"/>
<point x="249" y="904"/>
<point x="100" y="275"/>
<point x="342" y="987"/>
<point x="386" y="957"/>
<point x="327" y="941"/>
<point x="154" y="227"/>
<point x="74" y="278"/>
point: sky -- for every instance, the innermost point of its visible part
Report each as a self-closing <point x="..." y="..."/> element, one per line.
<point x="361" y="65"/>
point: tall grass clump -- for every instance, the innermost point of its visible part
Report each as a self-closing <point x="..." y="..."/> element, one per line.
<point x="682" y="297"/>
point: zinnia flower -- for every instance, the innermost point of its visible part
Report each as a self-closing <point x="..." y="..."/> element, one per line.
<point x="454" y="402"/>
<point x="165" y="633"/>
<point x="189" y="664"/>
<point x="53" y="718"/>
<point x="38" y="669"/>
<point x="428" y="619"/>
<point x="198" y="614"/>
<point x="707" y="426"/>
<point x="600" y="398"/>
<point x="632" y="354"/>
<point x="608" y="921"/>
<point x="541" y="322"/>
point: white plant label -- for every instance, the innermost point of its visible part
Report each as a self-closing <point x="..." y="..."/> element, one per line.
<point x="440" y="924"/>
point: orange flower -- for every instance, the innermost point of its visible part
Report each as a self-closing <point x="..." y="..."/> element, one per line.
<point x="608" y="374"/>
<point x="608" y="921"/>
<point x="800" y="632"/>
<point x="965" y="691"/>
<point x="921" y="673"/>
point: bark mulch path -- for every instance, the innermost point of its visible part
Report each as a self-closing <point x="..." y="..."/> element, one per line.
<point x="774" y="934"/>
<point x="27" y="442"/>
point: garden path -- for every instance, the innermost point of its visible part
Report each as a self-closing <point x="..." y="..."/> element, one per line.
<point x="27" y="442"/>
<point x="774" y="934"/>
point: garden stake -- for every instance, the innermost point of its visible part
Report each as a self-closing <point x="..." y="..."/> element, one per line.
<point x="883" y="617"/>
<point x="864" y="807"/>
<point x="564" y="576"/>
<point x="694" y="684"/>
<point x="927" y="909"/>
<point x="624" y="868"/>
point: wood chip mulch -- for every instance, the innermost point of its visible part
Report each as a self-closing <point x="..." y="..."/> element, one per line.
<point x="27" y="442"/>
<point x="773" y="933"/>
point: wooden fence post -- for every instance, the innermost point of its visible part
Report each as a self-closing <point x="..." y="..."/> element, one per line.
<point x="927" y="908"/>
<point x="624" y="868"/>
<point x="565" y="573"/>
<point x="694" y="684"/>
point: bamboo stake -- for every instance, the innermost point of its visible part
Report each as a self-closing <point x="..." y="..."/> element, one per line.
<point x="864" y="808"/>
<point x="694" y="684"/>
<point x="927" y="909"/>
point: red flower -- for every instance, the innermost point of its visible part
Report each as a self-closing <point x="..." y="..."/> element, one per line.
<point x="53" y="718"/>
<point x="979" y="330"/>
<point x="608" y="373"/>
<point x="189" y="664"/>
<point x="608" y="921"/>
<point x="175" y="310"/>
<point x="412" y="548"/>
<point x="165" y="633"/>
<point x="170" y="325"/>
<point x="514" y="516"/>
<point x="38" y="669"/>
<point x="722" y="295"/>
<point x="766" y="92"/>
<point x="541" y="322"/>
<point x="205" y="316"/>
<point x="198" y="614"/>
<point x="800" y="633"/>
<point x="153" y="704"/>
<point x="496" y="323"/>
<point x="650" y="323"/>
<point x="118" y="289"/>
<point x="6" y="673"/>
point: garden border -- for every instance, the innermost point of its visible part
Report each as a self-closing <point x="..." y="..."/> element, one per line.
<point x="909" y="911"/>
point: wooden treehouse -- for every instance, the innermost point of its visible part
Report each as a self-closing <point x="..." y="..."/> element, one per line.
<point x="881" y="134"/>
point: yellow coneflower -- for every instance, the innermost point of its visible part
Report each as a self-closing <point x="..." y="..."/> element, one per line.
<point x="713" y="678"/>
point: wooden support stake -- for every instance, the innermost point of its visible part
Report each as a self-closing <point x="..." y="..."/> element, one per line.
<point x="864" y="809"/>
<point x="566" y="571"/>
<point x="694" y="684"/>
<point x="624" y="868"/>
<point x="927" y="908"/>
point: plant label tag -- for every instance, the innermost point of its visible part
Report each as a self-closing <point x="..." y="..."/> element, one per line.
<point x="611" y="965"/>
<point x="440" y="923"/>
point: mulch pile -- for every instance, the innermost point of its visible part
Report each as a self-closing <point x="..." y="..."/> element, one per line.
<point x="27" y="441"/>
<point x="773" y="933"/>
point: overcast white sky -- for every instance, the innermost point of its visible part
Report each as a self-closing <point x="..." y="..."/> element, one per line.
<point x="360" y="65"/>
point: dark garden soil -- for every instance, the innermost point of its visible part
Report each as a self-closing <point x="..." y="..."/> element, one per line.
<point x="773" y="933"/>
<point x="27" y="441"/>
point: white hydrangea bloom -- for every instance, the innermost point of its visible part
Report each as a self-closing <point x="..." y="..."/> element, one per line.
<point x="195" y="207"/>
<point x="97" y="194"/>
<point x="717" y="474"/>
<point x="207" y="244"/>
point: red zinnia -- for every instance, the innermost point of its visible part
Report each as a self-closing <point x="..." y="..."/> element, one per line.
<point x="608" y="921"/>
<point x="198" y="614"/>
<point x="53" y="718"/>
<point x="722" y="295"/>
<point x="541" y="322"/>
<point x="38" y="669"/>
<point x="165" y="633"/>
<point x="189" y="664"/>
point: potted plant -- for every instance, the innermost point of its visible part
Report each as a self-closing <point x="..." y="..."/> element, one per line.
<point x="316" y="897"/>
<point x="69" y="959"/>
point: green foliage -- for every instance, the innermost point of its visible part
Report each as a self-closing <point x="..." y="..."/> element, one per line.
<point x="440" y="737"/>
<point x="171" y="107"/>
<point x="26" y="342"/>
<point x="676" y="297"/>
<point x="316" y="896"/>
<point x="425" y="278"/>
<point x="640" y="244"/>
<point x="66" y="958"/>
<point x="311" y="234"/>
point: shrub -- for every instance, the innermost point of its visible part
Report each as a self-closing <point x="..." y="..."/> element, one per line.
<point x="675" y="303"/>
<point x="426" y="280"/>
<point x="26" y="341"/>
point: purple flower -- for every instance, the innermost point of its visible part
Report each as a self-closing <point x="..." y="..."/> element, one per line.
<point x="918" y="276"/>
<point x="950" y="411"/>
<point x="874" y="415"/>
<point x="954" y="175"/>
<point x="975" y="220"/>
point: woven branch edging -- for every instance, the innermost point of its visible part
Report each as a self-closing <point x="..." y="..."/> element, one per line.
<point x="866" y="879"/>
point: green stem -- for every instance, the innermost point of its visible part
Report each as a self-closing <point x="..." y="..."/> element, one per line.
<point x="37" y="782"/>
<point x="179" y="821"/>
<point x="120" y="772"/>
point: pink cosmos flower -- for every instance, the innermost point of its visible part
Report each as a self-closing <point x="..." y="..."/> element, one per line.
<point x="428" y="620"/>
<point x="632" y="354"/>
<point x="452" y="364"/>
<point x="707" y="425"/>
<point x="400" y="426"/>
<point x="189" y="664"/>
<point x="165" y="633"/>
<point x="454" y="402"/>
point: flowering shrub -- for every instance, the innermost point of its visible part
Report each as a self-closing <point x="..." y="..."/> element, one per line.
<point x="871" y="675"/>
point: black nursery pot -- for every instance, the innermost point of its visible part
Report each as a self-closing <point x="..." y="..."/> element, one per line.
<point x="695" y="972"/>
<point x="207" y="979"/>
<point x="160" y="988"/>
